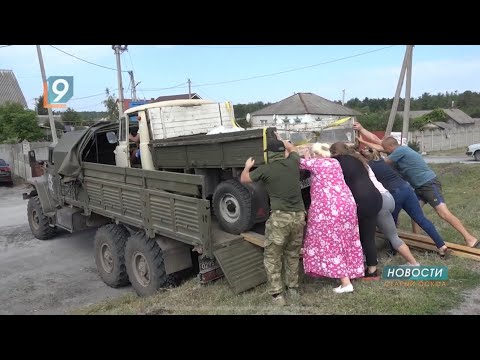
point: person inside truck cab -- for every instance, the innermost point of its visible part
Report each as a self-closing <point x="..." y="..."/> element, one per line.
<point x="135" y="149"/>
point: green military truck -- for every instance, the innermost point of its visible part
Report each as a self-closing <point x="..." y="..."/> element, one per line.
<point x="181" y="204"/>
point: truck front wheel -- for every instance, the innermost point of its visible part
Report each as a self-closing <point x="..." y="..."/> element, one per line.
<point x="145" y="265"/>
<point x="109" y="248"/>
<point x="39" y="223"/>
<point x="232" y="204"/>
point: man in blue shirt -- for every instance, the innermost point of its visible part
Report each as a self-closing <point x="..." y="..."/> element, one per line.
<point x="415" y="170"/>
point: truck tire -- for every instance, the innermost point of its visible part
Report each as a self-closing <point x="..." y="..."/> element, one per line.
<point x="232" y="205"/>
<point x="39" y="223"/>
<point x="109" y="248"/>
<point x="476" y="155"/>
<point x="145" y="265"/>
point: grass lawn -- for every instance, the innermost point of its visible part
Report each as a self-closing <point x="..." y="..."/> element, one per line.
<point x="461" y="187"/>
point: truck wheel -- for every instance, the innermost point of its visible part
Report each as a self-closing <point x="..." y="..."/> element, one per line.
<point x="145" y="265"/>
<point x="39" y="223"/>
<point x="477" y="155"/>
<point x="109" y="248"/>
<point x="232" y="204"/>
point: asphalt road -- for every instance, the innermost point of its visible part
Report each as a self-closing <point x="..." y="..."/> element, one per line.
<point x="45" y="277"/>
<point x="450" y="159"/>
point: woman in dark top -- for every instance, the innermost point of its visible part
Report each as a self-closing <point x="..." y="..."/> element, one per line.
<point x="368" y="198"/>
<point x="404" y="196"/>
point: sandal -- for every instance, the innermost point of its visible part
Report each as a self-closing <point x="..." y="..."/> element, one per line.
<point x="445" y="255"/>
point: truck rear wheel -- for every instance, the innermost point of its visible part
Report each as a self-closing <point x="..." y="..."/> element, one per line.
<point x="109" y="248"/>
<point x="232" y="204"/>
<point x="39" y="223"/>
<point x="145" y="265"/>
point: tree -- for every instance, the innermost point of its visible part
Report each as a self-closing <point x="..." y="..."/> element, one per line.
<point x="71" y="117"/>
<point x="39" y="106"/>
<point x="18" y="124"/>
<point x="111" y="104"/>
<point x="435" y="115"/>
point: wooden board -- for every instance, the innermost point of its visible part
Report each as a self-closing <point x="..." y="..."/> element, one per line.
<point x="428" y="240"/>
<point x="459" y="250"/>
<point x="254" y="238"/>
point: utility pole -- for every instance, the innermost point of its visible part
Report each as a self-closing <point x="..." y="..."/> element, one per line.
<point x="406" y="110"/>
<point x="118" y="50"/>
<point x="134" y="86"/>
<point x="189" y="89"/>
<point x="393" y="112"/>
<point x="44" y="79"/>
<point x="343" y="97"/>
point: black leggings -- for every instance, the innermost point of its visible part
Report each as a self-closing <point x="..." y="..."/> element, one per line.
<point x="367" y="227"/>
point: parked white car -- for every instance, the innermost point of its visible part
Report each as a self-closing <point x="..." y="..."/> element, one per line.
<point x="474" y="151"/>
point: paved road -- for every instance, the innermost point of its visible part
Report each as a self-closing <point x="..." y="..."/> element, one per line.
<point x="450" y="159"/>
<point x="44" y="277"/>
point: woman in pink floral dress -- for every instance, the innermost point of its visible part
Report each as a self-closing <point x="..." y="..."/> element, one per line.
<point x="332" y="245"/>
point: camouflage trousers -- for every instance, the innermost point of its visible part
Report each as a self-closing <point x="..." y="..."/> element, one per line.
<point x="284" y="237"/>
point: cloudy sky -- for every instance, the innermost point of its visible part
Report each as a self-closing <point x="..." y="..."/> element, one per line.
<point x="244" y="73"/>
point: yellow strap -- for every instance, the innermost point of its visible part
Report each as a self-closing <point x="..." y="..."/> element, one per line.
<point x="338" y="122"/>
<point x="232" y="116"/>
<point x="265" y="152"/>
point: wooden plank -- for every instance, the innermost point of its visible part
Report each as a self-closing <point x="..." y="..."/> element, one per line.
<point x="258" y="239"/>
<point x="421" y="245"/>
<point x="427" y="239"/>
<point x="431" y="246"/>
<point x="254" y="238"/>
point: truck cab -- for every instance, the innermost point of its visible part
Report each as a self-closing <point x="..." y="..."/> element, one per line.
<point x="168" y="119"/>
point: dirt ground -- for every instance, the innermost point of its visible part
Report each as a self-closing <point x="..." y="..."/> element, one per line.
<point x="44" y="277"/>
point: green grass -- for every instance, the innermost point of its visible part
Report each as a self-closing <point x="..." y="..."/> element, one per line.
<point x="461" y="188"/>
<point x="461" y="191"/>
<point x="317" y="298"/>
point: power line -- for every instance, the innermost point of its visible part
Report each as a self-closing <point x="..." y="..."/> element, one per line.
<point x="296" y="69"/>
<point x="167" y="88"/>
<point x="232" y="47"/>
<point x="90" y="96"/>
<point x="89" y="62"/>
<point x="88" y="106"/>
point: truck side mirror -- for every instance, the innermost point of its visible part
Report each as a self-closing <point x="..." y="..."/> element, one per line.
<point x="112" y="137"/>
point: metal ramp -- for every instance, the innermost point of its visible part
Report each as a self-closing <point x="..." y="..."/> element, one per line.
<point x="242" y="265"/>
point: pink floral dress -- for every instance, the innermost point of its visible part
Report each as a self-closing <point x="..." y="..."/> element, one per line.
<point x="332" y="245"/>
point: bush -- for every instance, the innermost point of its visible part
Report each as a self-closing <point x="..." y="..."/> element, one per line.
<point x="415" y="145"/>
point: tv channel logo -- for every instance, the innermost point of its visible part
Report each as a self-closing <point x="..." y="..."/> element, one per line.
<point x="415" y="273"/>
<point x="57" y="91"/>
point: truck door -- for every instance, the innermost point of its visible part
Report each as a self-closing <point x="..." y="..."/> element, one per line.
<point x="122" y="158"/>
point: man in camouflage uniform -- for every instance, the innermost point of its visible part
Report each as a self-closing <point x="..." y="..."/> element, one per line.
<point x="284" y="228"/>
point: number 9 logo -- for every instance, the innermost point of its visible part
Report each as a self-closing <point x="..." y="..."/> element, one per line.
<point x="57" y="91"/>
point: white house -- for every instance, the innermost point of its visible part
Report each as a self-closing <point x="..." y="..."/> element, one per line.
<point x="301" y="111"/>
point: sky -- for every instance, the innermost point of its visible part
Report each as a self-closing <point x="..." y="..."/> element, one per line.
<point x="244" y="73"/>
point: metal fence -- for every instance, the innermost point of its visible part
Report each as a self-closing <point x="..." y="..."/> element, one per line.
<point x="16" y="155"/>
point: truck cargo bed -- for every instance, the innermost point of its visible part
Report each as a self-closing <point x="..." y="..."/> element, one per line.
<point x="225" y="150"/>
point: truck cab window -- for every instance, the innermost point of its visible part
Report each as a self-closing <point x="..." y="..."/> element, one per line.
<point x="99" y="150"/>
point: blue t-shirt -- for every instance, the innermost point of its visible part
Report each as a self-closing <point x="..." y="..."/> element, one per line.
<point x="386" y="175"/>
<point x="411" y="166"/>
